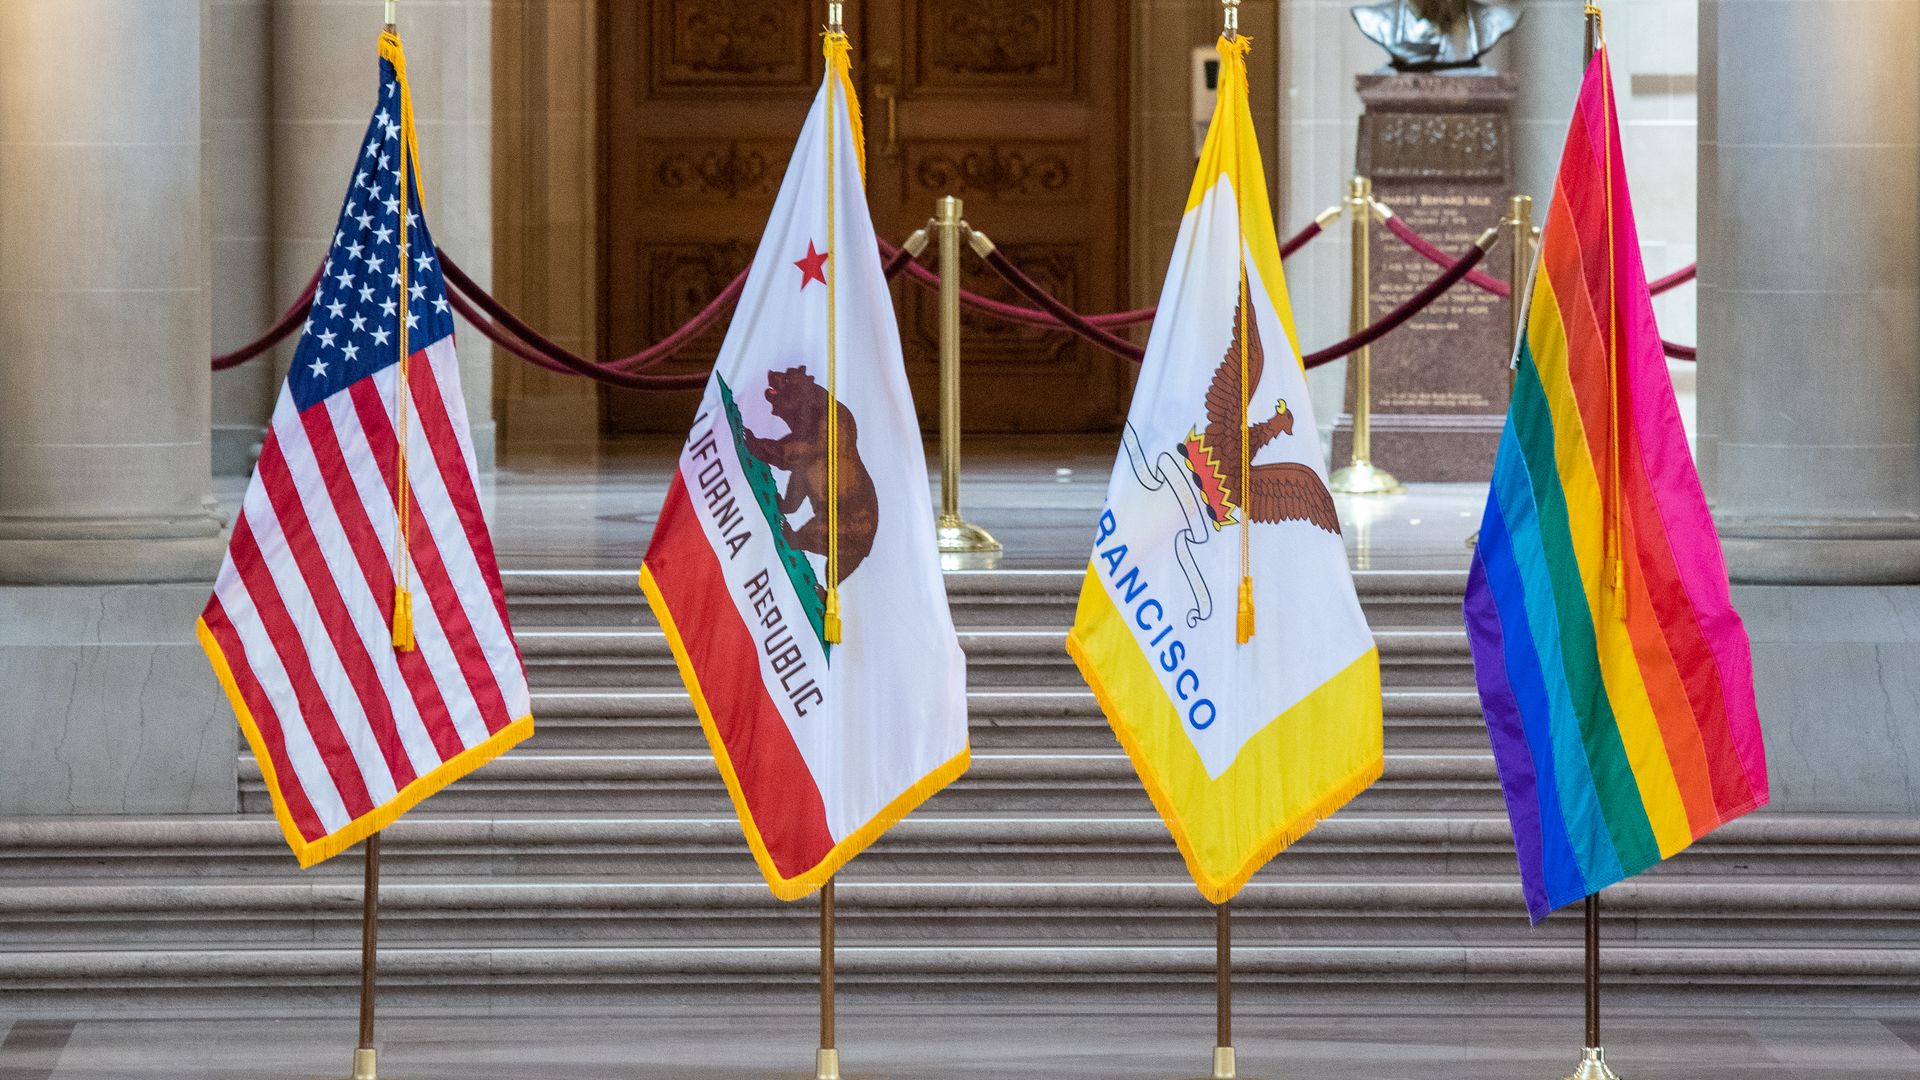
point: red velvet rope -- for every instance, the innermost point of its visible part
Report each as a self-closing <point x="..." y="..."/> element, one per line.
<point x="1068" y="317"/>
<point x="510" y="332"/>
<point x="1674" y="280"/>
<point x="281" y="327"/>
<point x="1079" y="324"/>
<point x="1433" y="254"/>
<point x="1108" y="320"/>
<point x="1391" y="321"/>
<point x="1398" y="227"/>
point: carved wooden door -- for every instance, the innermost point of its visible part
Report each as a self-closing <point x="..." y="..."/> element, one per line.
<point x="1016" y="106"/>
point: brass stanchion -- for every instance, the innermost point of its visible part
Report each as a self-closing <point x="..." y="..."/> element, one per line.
<point x="1520" y="233"/>
<point x="1519" y="263"/>
<point x="826" y="1061"/>
<point x="1361" y="476"/>
<point x="954" y="534"/>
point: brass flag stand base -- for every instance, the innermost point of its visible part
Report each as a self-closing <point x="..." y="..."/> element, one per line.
<point x="363" y="1067"/>
<point x="826" y="1065"/>
<point x="955" y="535"/>
<point x="1593" y="1066"/>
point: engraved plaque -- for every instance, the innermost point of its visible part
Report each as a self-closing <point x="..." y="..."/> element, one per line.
<point x="1439" y="150"/>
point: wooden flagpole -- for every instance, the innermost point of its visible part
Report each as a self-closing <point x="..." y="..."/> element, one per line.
<point x="363" y="1057"/>
<point x="826" y="1062"/>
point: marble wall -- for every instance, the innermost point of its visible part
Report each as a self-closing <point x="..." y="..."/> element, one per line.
<point x="1837" y="673"/>
<point x="1810" y="291"/>
<point x="110" y="706"/>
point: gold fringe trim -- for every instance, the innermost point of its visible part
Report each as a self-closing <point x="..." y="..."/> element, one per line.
<point x="1217" y="889"/>
<point x="809" y="881"/>
<point x="317" y="851"/>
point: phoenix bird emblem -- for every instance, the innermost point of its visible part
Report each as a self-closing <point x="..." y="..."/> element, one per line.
<point x="1276" y="491"/>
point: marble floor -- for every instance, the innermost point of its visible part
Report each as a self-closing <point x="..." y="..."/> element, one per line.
<point x="1038" y="495"/>
<point x="945" y="1042"/>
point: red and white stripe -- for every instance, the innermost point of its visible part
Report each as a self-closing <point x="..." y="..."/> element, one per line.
<point x="302" y="610"/>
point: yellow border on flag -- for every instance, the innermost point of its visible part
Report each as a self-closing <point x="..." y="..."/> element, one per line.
<point x="804" y="884"/>
<point x="316" y="851"/>
<point x="1113" y="667"/>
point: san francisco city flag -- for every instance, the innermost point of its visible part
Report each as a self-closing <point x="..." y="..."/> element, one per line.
<point x="1615" y="675"/>
<point x="812" y="630"/>
<point x="358" y="622"/>
<point x="1218" y="624"/>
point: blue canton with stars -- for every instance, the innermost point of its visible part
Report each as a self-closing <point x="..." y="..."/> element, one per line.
<point x="352" y="329"/>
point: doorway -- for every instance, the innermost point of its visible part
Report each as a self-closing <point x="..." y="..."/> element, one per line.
<point x="1018" y="107"/>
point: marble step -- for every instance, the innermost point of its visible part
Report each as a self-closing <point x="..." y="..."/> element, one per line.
<point x="1275" y="910"/>
<point x="509" y="975"/>
<point x="1010" y="847"/>
<point x="687" y="783"/>
<point x="1025" y="659"/>
<point x="611" y="599"/>
<point x="1061" y="719"/>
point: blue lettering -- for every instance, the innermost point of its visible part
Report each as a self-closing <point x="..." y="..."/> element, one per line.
<point x="1140" y="614"/>
<point x="1193" y="715"/>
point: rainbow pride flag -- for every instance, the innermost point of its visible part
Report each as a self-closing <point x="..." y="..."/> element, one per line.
<point x="1615" y="675"/>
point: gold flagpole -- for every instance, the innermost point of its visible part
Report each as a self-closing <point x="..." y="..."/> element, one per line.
<point x="1593" y="1062"/>
<point x="830" y="622"/>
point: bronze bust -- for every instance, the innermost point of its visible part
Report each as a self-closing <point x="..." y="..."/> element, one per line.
<point x="1435" y="35"/>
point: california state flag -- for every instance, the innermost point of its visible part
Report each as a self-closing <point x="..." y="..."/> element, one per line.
<point x="1218" y="624"/>
<point x="824" y="739"/>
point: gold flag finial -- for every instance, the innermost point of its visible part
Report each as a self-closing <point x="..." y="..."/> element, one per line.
<point x="391" y="6"/>
<point x="836" y="17"/>
<point x="1230" y="14"/>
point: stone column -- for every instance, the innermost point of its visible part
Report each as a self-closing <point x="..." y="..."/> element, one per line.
<point x="324" y="78"/>
<point x="239" y="79"/>
<point x="104" y="336"/>
<point x="1809" y="380"/>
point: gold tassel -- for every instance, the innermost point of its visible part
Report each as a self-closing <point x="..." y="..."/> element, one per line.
<point x="402" y="619"/>
<point x="832" y="620"/>
<point x="1245" y="622"/>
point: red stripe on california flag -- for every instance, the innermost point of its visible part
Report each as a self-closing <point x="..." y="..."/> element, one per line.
<point x="432" y="412"/>
<point x="317" y="714"/>
<point x="376" y="566"/>
<point x="434" y="585"/>
<point x="781" y="794"/>
<point x="265" y="720"/>
<point x="277" y="480"/>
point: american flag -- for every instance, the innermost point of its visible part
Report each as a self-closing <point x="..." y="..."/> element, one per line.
<point x="349" y="729"/>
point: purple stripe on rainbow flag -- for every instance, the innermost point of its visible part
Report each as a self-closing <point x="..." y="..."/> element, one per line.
<point x="1617" y="573"/>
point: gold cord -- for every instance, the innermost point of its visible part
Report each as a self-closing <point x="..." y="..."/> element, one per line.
<point x="1613" y="332"/>
<point x="1244" y="623"/>
<point x="835" y="46"/>
<point x="403" y="639"/>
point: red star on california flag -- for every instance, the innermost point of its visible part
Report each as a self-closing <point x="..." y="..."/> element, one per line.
<point x="813" y="267"/>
